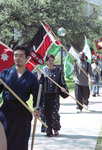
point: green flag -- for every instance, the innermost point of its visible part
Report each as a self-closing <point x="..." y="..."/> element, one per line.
<point x="87" y="51"/>
<point x="69" y="64"/>
<point x="52" y="50"/>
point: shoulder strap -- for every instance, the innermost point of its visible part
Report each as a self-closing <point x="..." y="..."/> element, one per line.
<point x="87" y="67"/>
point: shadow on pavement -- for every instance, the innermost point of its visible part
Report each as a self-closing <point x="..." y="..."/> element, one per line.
<point x="68" y="136"/>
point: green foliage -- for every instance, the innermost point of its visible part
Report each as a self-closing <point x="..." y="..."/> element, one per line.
<point x="57" y="59"/>
<point x="20" y="20"/>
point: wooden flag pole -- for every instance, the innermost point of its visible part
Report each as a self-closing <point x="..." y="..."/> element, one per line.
<point x="20" y="100"/>
<point x="35" y="119"/>
<point x="57" y="84"/>
<point x="74" y="49"/>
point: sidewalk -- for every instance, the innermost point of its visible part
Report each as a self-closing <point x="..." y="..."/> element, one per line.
<point x="79" y="131"/>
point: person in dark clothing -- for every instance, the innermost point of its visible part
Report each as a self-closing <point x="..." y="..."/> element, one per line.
<point x="15" y="118"/>
<point x="51" y="92"/>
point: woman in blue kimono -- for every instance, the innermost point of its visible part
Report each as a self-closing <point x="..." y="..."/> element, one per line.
<point x="15" y="118"/>
<point x="51" y="92"/>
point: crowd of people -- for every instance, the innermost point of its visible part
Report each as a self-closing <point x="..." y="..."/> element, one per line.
<point x="15" y="119"/>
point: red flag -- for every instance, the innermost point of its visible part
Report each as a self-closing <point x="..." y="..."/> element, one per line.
<point x="6" y="58"/>
<point x="93" y="52"/>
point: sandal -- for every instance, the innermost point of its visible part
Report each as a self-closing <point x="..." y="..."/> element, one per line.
<point x="56" y="132"/>
<point x="49" y="133"/>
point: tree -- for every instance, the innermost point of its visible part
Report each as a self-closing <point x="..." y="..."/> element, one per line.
<point x="72" y="15"/>
<point x="20" y="20"/>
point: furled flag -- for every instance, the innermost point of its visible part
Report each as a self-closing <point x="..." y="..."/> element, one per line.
<point x="42" y="44"/>
<point x="69" y="63"/>
<point x="97" y="44"/>
<point x="87" y="51"/>
<point x="6" y="58"/>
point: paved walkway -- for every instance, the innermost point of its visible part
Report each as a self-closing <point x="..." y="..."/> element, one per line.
<point x="79" y="131"/>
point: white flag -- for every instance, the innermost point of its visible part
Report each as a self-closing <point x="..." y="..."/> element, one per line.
<point x="87" y="51"/>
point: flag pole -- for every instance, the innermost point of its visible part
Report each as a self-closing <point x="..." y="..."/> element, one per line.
<point x="20" y="100"/>
<point x="99" y="50"/>
<point x="35" y="119"/>
<point x="57" y="84"/>
<point x="74" y="49"/>
<point x="53" y="34"/>
<point x="69" y="54"/>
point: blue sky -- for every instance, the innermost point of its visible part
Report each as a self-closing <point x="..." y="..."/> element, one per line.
<point x="96" y="1"/>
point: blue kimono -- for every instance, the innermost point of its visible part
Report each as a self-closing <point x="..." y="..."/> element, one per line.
<point x="15" y="118"/>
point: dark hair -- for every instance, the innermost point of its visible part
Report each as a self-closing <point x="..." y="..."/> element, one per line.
<point x="24" y="48"/>
<point x="49" y="56"/>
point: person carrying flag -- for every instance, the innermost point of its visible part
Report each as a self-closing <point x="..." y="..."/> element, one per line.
<point x="82" y="91"/>
<point x="51" y="92"/>
<point x="15" y="118"/>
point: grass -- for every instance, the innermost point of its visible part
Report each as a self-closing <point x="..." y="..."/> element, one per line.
<point x="70" y="84"/>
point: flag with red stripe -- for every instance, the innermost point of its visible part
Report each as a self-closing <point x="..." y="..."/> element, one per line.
<point x="42" y="44"/>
